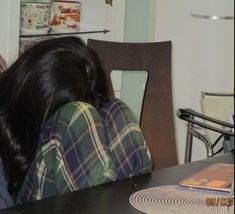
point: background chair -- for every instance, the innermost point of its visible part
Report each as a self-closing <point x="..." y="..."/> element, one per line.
<point x="214" y="126"/>
<point x="156" y="118"/>
<point x="219" y="106"/>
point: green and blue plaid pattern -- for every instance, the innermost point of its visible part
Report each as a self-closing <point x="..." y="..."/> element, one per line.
<point x="5" y="198"/>
<point x="80" y="147"/>
<point x="125" y="140"/>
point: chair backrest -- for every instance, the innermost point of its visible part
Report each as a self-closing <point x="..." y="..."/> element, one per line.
<point x="219" y="106"/>
<point x="156" y="118"/>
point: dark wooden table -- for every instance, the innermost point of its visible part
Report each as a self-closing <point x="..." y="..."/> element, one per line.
<point x="113" y="197"/>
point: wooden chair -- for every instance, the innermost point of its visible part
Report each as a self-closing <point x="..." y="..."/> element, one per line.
<point x="156" y="119"/>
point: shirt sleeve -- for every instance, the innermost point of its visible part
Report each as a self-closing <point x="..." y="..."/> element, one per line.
<point x="5" y="198"/>
<point x="128" y="148"/>
<point x="72" y="154"/>
<point x="80" y="147"/>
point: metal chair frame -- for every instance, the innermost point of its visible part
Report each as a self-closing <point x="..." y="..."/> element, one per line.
<point x="192" y="117"/>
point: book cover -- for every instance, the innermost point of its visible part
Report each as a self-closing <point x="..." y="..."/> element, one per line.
<point x="218" y="176"/>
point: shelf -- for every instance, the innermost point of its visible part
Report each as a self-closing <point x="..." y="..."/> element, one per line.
<point x="84" y="29"/>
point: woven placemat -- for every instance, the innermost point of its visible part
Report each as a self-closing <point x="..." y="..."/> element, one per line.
<point x="175" y="199"/>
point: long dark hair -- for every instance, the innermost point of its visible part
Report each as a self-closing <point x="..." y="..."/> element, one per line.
<point x="44" y="78"/>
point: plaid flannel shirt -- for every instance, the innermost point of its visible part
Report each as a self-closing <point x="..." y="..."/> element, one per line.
<point x="5" y="198"/>
<point x="3" y="64"/>
<point x="80" y="147"/>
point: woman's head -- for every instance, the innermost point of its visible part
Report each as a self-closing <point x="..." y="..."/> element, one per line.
<point x="59" y="68"/>
<point x="50" y="74"/>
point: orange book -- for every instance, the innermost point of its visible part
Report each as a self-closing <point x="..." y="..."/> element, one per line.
<point x="218" y="176"/>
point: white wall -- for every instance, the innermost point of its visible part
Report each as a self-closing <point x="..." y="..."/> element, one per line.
<point x="139" y="22"/>
<point x="9" y="29"/>
<point x="104" y="16"/>
<point x="139" y="27"/>
<point x="203" y="52"/>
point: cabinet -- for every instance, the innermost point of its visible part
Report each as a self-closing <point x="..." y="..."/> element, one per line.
<point x="99" y="20"/>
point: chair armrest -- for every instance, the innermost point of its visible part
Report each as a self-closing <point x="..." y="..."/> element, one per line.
<point x="190" y="115"/>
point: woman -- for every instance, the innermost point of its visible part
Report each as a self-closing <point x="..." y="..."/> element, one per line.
<point x="5" y="198"/>
<point x="33" y="91"/>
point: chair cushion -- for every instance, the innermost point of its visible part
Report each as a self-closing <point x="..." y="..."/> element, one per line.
<point x="80" y="147"/>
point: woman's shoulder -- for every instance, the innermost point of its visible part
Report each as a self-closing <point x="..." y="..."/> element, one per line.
<point x="116" y="108"/>
<point x="70" y="110"/>
<point x="76" y="104"/>
<point x="108" y="105"/>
